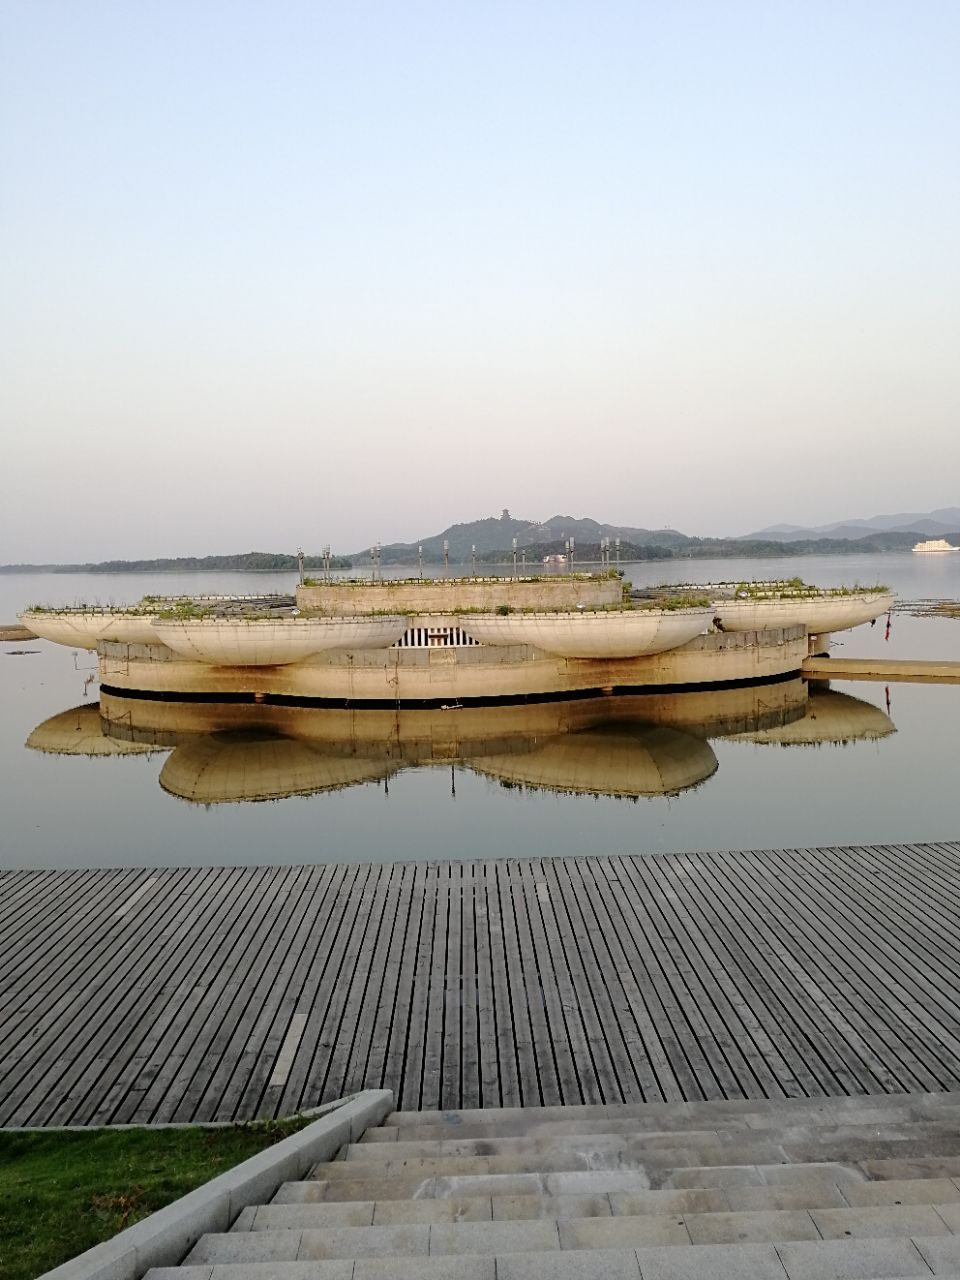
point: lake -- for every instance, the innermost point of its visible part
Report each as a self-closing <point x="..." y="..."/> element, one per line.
<point x="721" y="790"/>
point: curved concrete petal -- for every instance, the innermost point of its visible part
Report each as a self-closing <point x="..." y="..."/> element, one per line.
<point x="617" y="634"/>
<point x="271" y="642"/>
<point x="83" y="629"/>
<point x="819" y="614"/>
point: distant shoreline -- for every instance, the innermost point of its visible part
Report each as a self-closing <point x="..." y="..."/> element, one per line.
<point x="503" y="560"/>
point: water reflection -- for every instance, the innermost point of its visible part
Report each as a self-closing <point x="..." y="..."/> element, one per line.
<point x="632" y="759"/>
<point x="831" y="717"/>
<point x="640" y="745"/>
<point x="80" y="731"/>
<point x="236" y="765"/>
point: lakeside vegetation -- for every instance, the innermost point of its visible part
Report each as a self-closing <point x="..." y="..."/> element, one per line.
<point x="245" y="562"/>
<point x="63" y="1191"/>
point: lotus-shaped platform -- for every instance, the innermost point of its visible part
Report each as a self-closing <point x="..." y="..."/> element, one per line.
<point x="272" y="642"/>
<point x="85" y="628"/>
<point x="622" y="633"/>
<point x="820" y="614"/>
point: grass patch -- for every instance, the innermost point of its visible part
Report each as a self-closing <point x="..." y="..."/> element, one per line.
<point x="63" y="1192"/>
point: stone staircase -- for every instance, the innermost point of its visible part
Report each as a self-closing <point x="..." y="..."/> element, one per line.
<point x="806" y="1189"/>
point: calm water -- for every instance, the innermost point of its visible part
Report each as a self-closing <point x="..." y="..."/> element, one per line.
<point x="517" y="793"/>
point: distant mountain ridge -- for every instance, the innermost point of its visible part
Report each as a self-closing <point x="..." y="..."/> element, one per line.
<point x="493" y="539"/>
<point x="935" y="524"/>
<point x="496" y="533"/>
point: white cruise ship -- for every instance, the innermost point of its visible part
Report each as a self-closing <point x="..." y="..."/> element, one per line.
<point x="934" y="546"/>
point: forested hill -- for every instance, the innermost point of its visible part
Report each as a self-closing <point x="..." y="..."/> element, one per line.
<point x="245" y="562"/>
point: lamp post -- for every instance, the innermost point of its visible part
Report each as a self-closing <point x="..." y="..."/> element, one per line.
<point x="420" y="560"/>
<point x="514" y="557"/>
<point x="573" y="544"/>
<point x="473" y="557"/>
<point x="326" y="561"/>
<point x="616" y="543"/>
<point x="446" y="558"/>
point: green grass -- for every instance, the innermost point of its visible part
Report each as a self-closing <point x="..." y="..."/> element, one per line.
<point x="63" y="1192"/>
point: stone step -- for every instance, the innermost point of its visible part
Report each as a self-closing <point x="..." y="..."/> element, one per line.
<point x="819" y="1189"/>
<point x="704" y="1226"/>
<point x="822" y="1177"/>
<point x="885" y="1258"/>
<point x="938" y="1153"/>
<point x="720" y="1262"/>
<point x="929" y="1137"/>
<point x="666" y="1114"/>
<point x="288" y="1213"/>
<point x="530" y="1127"/>
<point x="554" y="1158"/>
<point x="297" y="1242"/>
<point x="669" y="1117"/>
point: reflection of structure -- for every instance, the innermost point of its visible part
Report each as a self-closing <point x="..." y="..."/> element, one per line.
<point x="613" y="760"/>
<point x="632" y="745"/>
<point x="80" y="732"/>
<point x="456" y="641"/>
<point x="830" y="717"/>
<point x="247" y="765"/>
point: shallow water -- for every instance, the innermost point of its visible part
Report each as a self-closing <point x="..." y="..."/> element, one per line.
<point x="497" y="788"/>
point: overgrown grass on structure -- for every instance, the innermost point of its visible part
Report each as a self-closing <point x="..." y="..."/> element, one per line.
<point x="62" y="1192"/>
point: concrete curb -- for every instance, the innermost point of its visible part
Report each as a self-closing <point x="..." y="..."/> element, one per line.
<point x="164" y="1238"/>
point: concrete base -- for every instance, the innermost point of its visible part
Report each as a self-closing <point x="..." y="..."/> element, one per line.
<point x="444" y="675"/>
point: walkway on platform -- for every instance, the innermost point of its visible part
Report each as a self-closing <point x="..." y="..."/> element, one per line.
<point x="220" y="993"/>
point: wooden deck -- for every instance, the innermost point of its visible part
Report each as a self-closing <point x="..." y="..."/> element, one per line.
<point x="910" y="670"/>
<point x="200" y="994"/>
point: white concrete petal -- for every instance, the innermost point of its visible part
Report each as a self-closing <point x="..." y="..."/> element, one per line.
<point x="245" y="642"/>
<point x="820" y="615"/>
<point x="620" y="634"/>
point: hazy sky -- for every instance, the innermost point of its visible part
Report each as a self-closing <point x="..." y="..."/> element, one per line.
<point x="281" y="272"/>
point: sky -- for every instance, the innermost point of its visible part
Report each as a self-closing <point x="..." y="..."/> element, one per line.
<point x="280" y="274"/>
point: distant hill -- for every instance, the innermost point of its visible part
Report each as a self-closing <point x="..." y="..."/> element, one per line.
<point x="495" y="534"/>
<point x="931" y="524"/>
<point x="244" y="562"/>
<point x="493" y="539"/>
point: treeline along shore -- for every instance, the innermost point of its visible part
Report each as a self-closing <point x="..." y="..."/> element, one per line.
<point x="679" y="548"/>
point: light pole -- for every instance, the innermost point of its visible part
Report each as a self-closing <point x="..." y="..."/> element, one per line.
<point x="420" y="560"/>
<point x="616" y="543"/>
<point x="573" y="544"/>
<point x="446" y="558"/>
<point x="473" y="557"/>
<point x="326" y="561"/>
<point x="514" y="557"/>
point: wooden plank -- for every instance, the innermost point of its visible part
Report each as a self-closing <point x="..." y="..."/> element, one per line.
<point x="245" y="991"/>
